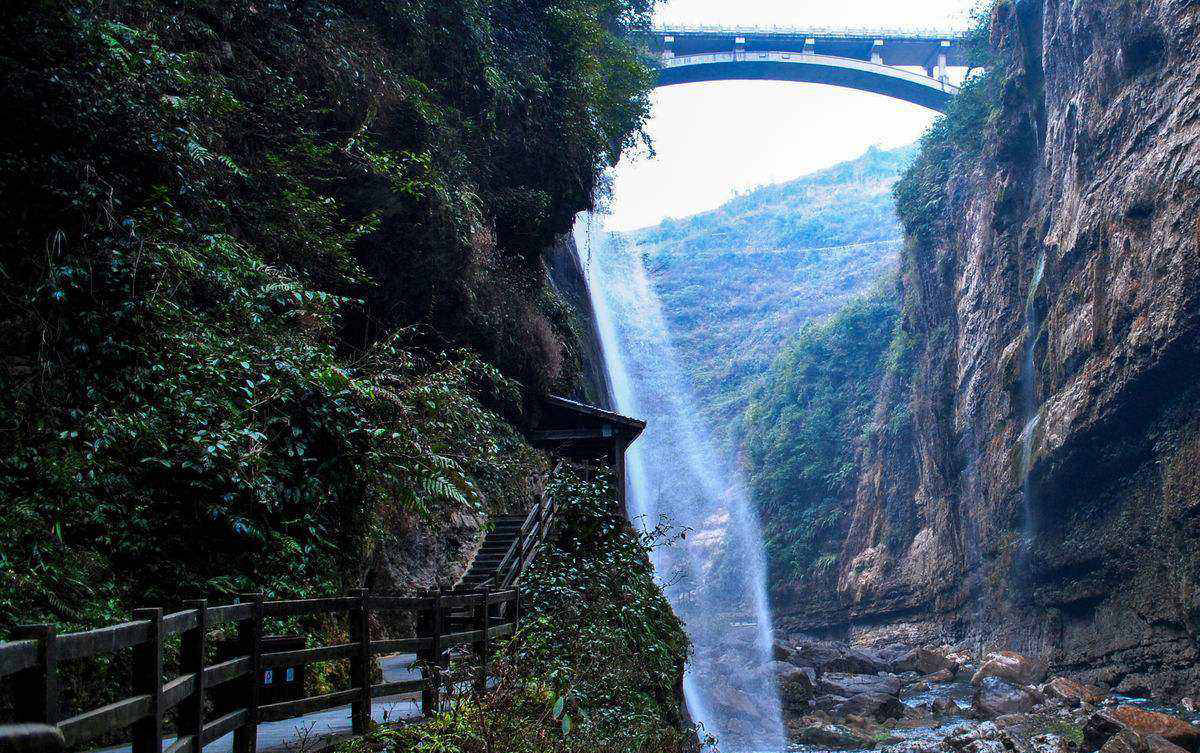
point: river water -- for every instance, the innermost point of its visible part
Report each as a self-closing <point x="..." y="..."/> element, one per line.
<point x="715" y="579"/>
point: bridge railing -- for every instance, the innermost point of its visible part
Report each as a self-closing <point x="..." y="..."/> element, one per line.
<point x="32" y="665"/>
<point x="811" y="31"/>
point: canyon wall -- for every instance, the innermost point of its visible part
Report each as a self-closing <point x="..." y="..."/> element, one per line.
<point x="1052" y="287"/>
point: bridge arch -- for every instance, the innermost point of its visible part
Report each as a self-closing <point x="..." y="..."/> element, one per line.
<point x="809" y="68"/>
<point x="877" y="61"/>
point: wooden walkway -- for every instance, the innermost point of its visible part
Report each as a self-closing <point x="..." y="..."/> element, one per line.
<point x="216" y="705"/>
<point x="484" y="606"/>
<point x="234" y="684"/>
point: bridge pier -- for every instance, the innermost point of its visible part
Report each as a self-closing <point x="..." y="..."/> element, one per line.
<point x="942" y="61"/>
<point x="877" y="52"/>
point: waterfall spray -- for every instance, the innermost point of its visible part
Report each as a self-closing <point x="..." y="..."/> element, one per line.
<point x="716" y="581"/>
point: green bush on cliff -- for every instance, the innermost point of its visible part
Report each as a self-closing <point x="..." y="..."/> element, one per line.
<point x="957" y="137"/>
<point x="805" y="426"/>
<point x="270" y="280"/>
<point x="595" y="666"/>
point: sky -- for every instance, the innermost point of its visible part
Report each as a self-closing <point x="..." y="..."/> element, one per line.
<point x="712" y="140"/>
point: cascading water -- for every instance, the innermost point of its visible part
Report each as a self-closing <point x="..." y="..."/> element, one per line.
<point x="1032" y="409"/>
<point x="716" y="580"/>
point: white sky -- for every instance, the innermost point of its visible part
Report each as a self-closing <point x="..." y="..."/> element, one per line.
<point x="714" y="139"/>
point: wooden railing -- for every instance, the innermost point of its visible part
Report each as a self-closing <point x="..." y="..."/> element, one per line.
<point x="525" y="548"/>
<point x="32" y="661"/>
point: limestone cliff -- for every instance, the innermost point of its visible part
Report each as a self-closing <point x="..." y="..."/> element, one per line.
<point x="1055" y="289"/>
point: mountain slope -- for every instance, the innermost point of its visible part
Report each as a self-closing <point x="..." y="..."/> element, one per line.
<point x="739" y="282"/>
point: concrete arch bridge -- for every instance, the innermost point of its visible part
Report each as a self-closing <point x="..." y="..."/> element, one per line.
<point x="913" y="66"/>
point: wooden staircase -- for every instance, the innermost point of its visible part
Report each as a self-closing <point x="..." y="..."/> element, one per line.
<point x="484" y="571"/>
<point x="510" y="547"/>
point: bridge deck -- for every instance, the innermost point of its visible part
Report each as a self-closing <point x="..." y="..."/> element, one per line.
<point x="914" y="48"/>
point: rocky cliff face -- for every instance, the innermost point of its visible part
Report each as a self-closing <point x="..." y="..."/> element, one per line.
<point x="1048" y="494"/>
<point x="567" y="277"/>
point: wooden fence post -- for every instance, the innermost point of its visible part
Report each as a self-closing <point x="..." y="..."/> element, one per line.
<point x="481" y="648"/>
<point x="147" y="680"/>
<point x="35" y="690"/>
<point x="424" y="629"/>
<point x="245" y="738"/>
<point x="191" y="659"/>
<point x="360" y="666"/>
<point x="439" y="626"/>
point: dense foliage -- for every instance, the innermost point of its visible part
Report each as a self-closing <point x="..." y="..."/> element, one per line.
<point x="596" y="664"/>
<point x="739" y="282"/>
<point x="270" y="277"/>
<point x="955" y="139"/>
<point x="806" y="425"/>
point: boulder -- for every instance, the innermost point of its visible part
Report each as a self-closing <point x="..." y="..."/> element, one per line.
<point x="924" y="661"/>
<point x="1049" y="744"/>
<point x="830" y="704"/>
<point x="996" y="697"/>
<point x="848" y="685"/>
<point x="943" y="707"/>
<point x="1099" y="728"/>
<point x="1173" y="728"/>
<point x="963" y="736"/>
<point x="1067" y="689"/>
<point x="780" y="651"/>
<point x="940" y="677"/>
<point x="1011" y="666"/>
<point x="1134" y="686"/>
<point x="797" y="687"/>
<point x="985" y="746"/>
<point x="833" y="736"/>
<point x="836" y="657"/>
<point x="1128" y="741"/>
<point x="879" y="706"/>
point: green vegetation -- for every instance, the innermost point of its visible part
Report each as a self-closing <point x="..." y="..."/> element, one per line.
<point x="841" y="205"/>
<point x="272" y="288"/>
<point x="737" y="283"/>
<point x="595" y="666"/>
<point x="805" y="428"/>
<point x="955" y="139"/>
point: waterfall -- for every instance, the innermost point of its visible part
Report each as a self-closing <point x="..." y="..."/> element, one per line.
<point x="1032" y="409"/>
<point x="716" y="579"/>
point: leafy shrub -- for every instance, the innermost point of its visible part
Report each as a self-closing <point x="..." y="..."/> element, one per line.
<point x="595" y="665"/>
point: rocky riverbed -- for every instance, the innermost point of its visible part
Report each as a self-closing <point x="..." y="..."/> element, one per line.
<point x="922" y="700"/>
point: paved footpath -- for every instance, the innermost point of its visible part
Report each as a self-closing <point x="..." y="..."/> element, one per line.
<point x="317" y="730"/>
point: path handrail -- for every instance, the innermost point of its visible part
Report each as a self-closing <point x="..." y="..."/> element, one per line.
<point x="31" y="663"/>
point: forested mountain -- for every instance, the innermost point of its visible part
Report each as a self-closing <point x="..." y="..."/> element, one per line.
<point x="739" y="282"/>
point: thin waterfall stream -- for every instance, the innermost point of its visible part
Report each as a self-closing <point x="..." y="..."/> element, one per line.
<point x="715" y="579"/>
<point x="1032" y="408"/>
